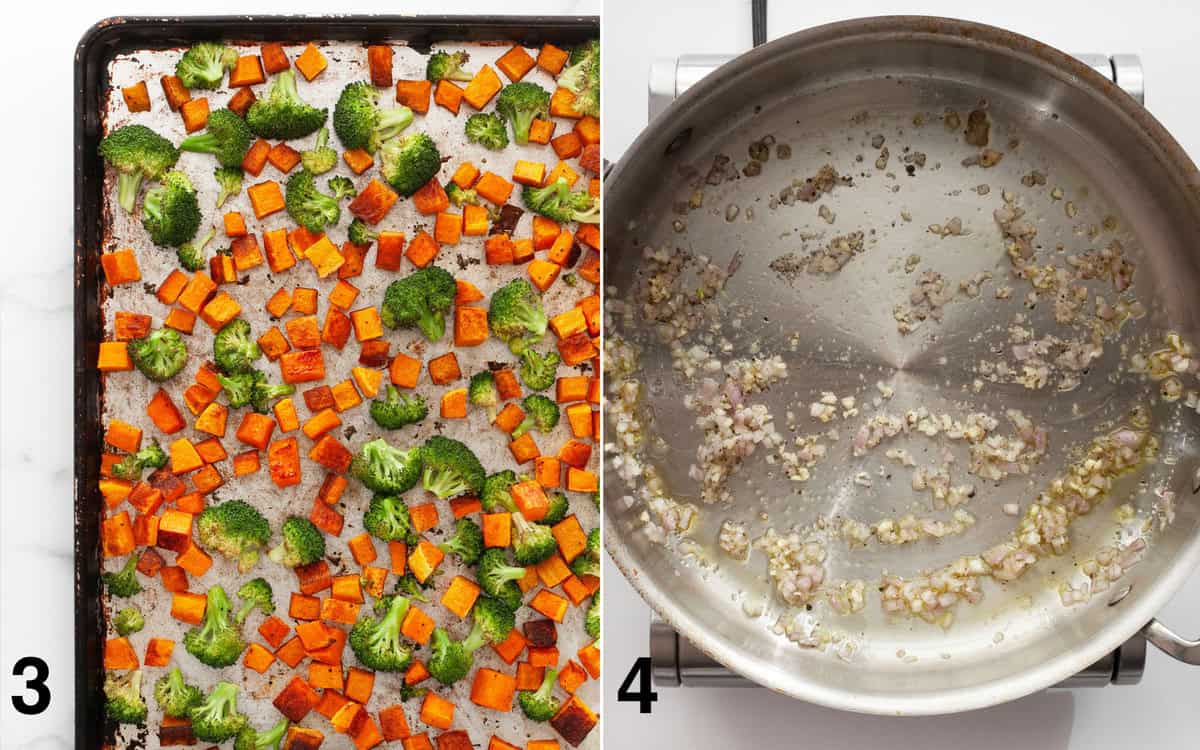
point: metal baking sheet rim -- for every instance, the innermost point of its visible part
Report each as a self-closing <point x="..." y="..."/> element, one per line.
<point x="1187" y="178"/>
<point x="96" y="46"/>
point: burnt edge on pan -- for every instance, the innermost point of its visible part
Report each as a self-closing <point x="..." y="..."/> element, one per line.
<point x="97" y="46"/>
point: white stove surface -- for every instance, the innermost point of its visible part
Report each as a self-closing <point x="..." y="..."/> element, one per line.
<point x="1160" y="713"/>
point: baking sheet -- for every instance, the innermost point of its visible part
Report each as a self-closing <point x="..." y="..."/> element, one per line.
<point x="127" y="393"/>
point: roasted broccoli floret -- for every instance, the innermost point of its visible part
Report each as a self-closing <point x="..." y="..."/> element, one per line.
<point x="255" y="593"/>
<point x="557" y="201"/>
<point x="487" y="130"/>
<point x="282" y="114"/>
<point x="466" y="542"/>
<point x="591" y="622"/>
<point x="361" y="234"/>
<point x="123" y="583"/>
<point x="160" y="355"/>
<point x="407" y="162"/>
<point x="226" y="137"/>
<point x="420" y="299"/>
<point x="253" y="389"/>
<point x="520" y="103"/>
<point x="387" y="519"/>
<point x="191" y="254"/>
<point x="409" y="585"/>
<point x="137" y="153"/>
<point x="377" y="643"/>
<point x="204" y="65"/>
<point x="229" y="180"/>
<point x="448" y="66"/>
<point x="582" y="78"/>
<point x="450" y="468"/>
<point x="132" y="466"/>
<point x="385" y="468"/>
<point x="234" y="347"/>
<point x="302" y="543"/>
<point x="216" y="642"/>
<point x="128" y="620"/>
<point x="249" y="739"/>
<point x="235" y="529"/>
<point x="494" y="618"/>
<point x="515" y="315"/>
<point x="321" y="157"/>
<point x="588" y="564"/>
<point x="123" y="700"/>
<point x="396" y="410"/>
<point x="170" y="211"/>
<point x="450" y="660"/>
<point x="538" y="371"/>
<point x="499" y="579"/>
<point x="541" y="413"/>
<point x="532" y="542"/>
<point x="360" y="122"/>
<point x="557" y="510"/>
<point x="341" y="187"/>
<point x="496" y="496"/>
<point x="175" y="697"/>
<point x="308" y="206"/>
<point x="540" y="704"/>
<point x="217" y="719"/>
<point x="482" y="392"/>
<point x="461" y="197"/>
<point x="570" y="279"/>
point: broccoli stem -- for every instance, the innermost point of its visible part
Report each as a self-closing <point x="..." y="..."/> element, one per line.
<point x="128" y="184"/>
<point x="432" y="324"/>
<point x="392" y="121"/>
<point x="201" y="143"/>
<point x="389" y="626"/>
<point x="521" y="122"/>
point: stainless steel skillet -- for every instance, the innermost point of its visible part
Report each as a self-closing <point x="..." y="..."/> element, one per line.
<point x="829" y="94"/>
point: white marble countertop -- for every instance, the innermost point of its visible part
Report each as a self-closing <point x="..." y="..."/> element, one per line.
<point x="36" y="332"/>
<point x="1159" y="713"/>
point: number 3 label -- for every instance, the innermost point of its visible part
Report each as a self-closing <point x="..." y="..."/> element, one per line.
<point x="36" y="684"/>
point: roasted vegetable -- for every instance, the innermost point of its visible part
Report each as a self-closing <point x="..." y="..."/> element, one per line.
<point x="582" y="78"/>
<point x="234" y="347"/>
<point x="377" y="643"/>
<point x="124" y="583"/>
<point x="591" y="622"/>
<point x="137" y="153"/>
<point x="341" y="187"/>
<point x="450" y="468"/>
<point x="282" y="114"/>
<point x="123" y="700"/>
<point x="191" y="254"/>
<point x="132" y="466"/>
<point x="515" y="315"/>
<point x="466" y="542"/>
<point x="384" y="468"/>
<point x="249" y="739"/>
<point x="414" y="589"/>
<point x="360" y="122"/>
<point x="216" y="642"/>
<point x="235" y="529"/>
<point x="420" y="299"/>
<point x="557" y="201"/>
<point x="251" y="388"/>
<point x="494" y="618"/>
<point x="520" y="103"/>
<point x="217" y="719"/>
<point x="387" y="519"/>
<point x="448" y="66"/>
<point x="128" y="620"/>
<point x="487" y="130"/>
<point x="310" y="207"/>
<point x="407" y="162"/>
<point x="540" y="704"/>
<point x="532" y="542"/>
<point x="588" y="564"/>
<point x="170" y="211"/>
<point x="361" y="234"/>
<point x="395" y="410"/>
<point x="175" y="697"/>
<point x="481" y="391"/>
<point x="557" y="510"/>
<point x="499" y="579"/>
<point x="541" y="413"/>
<point x="450" y="660"/>
<point x="496" y="497"/>
<point x="226" y="136"/>
<point x="204" y="65"/>
<point x="160" y="355"/>
<point x="229" y="180"/>
<point x="321" y="157"/>
<point x="461" y="197"/>
<point x="302" y="543"/>
<point x="538" y="371"/>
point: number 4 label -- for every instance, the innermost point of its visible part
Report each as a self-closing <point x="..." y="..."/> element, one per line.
<point x="644" y="696"/>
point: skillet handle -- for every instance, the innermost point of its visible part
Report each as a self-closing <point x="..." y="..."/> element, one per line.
<point x="1172" y="644"/>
